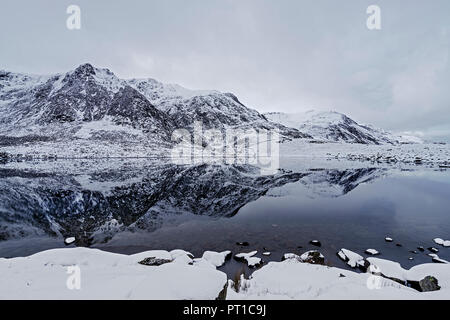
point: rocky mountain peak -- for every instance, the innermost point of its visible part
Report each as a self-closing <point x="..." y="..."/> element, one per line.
<point x="85" y="69"/>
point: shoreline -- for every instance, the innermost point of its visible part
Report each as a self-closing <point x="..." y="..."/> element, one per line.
<point x="160" y="274"/>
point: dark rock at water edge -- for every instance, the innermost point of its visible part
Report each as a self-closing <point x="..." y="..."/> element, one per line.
<point x="315" y="243"/>
<point x="314" y="257"/>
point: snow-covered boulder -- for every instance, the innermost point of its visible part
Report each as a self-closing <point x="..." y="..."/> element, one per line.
<point x="250" y="258"/>
<point x="353" y="259"/>
<point x="217" y="259"/>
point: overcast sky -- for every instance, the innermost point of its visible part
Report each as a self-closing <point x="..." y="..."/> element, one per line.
<point x="274" y="55"/>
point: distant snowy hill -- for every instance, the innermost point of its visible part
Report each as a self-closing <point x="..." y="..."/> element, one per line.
<point x="334" y="126"/>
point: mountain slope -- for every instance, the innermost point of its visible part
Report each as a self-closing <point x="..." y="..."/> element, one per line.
<point x="334" y="126"/>
<point x="93" y="104"/>
<point x="214" y="109"/>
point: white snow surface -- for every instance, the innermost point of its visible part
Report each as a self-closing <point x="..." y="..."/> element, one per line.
<point x="353" y="259"/>
<point x="217" y="259"/>
<point x="395" y="270"/>
<point x="249" y="257"/>
<point x="292" y="279"/>
<point x="105" y="275"/>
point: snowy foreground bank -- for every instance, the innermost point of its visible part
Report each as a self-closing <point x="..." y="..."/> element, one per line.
<point x="82" y="273"/>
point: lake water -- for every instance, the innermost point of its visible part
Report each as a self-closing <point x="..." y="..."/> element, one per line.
<point x="130" y="206"/>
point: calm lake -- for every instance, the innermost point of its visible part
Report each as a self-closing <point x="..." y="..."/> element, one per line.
<point x="129" y="206"/>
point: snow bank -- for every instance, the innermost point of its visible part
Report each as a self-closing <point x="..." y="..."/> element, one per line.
<point x="106" y="275"/>
<point x="103" y="275"/>
<point x="292" y="279"/>
<point x="441" y="271"/>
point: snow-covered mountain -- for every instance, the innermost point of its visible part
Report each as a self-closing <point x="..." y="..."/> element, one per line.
<point x="92" y="103"/>
<point x="335" y="126"/>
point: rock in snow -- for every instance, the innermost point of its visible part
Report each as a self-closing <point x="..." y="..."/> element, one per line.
<point x="252" y="261"/>
<point x="312" y="256"/>
<point x="445" y="243"/>
<point x="217" y="259"/>
<point x="429" y="284"/>
<point x="287" y="256"/>
<point x="436" y="259"/>
<point x="152" y="261"/>
<point x="69" y="240"/>
<point x="418" y="274"/>
<point x="372" y="252"/>
<point x="434" y="250"/>
<point x="353" y="259"/>
<point x="316" y="243"/>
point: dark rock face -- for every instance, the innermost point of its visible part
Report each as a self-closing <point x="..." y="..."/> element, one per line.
<point x="348" y="131"/>
<point x="429" y="283"/>
<point x="315" y="257"/>
<point x="80" y="97"/>
<point x="131" y="108"/>
<point x="152" y="261"/>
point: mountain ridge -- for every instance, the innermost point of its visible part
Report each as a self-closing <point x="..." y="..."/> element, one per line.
<point x="94" y="105"/>
<point x="58" y="105"/>
<point x="332" y="126"/>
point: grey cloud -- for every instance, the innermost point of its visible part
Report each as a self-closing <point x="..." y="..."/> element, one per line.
<point x="275" y="55"/>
